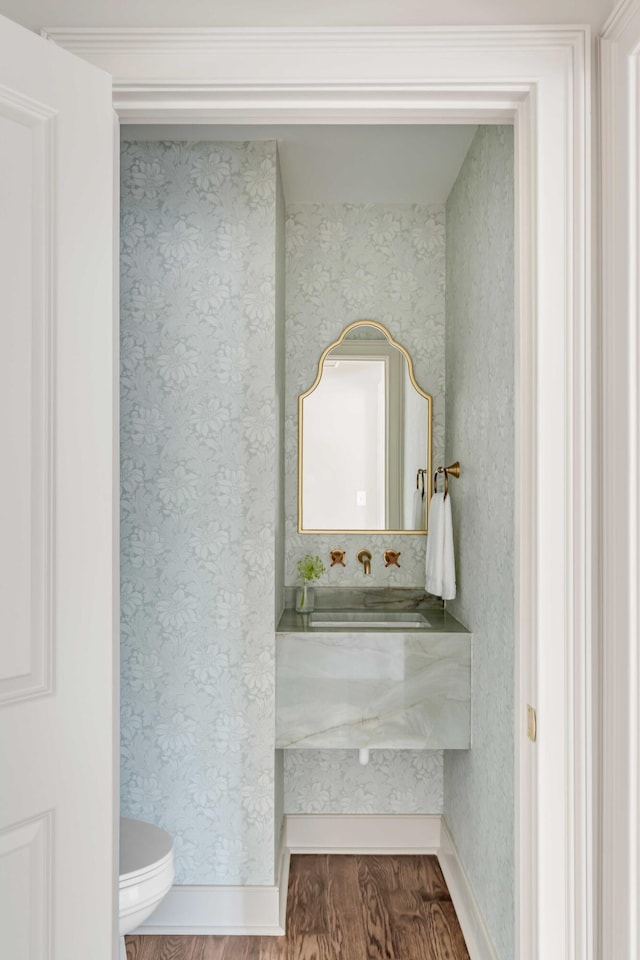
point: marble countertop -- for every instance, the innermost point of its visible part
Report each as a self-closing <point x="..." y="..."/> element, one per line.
<point x="440" y="621"/>
<point x="369" y="600"/>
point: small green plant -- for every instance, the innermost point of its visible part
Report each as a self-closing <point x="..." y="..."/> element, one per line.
<point x="310" y="568"/>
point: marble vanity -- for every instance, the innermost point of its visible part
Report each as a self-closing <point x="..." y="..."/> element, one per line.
<point x="346" y="687"/>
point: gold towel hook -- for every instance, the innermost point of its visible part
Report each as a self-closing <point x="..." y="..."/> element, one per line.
<point x="453" y="469"/>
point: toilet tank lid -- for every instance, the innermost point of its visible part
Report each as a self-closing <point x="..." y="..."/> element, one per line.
<point x="141" y="845"/>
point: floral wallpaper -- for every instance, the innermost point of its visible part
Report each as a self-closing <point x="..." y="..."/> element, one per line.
<point x="207" y="406"/>
<point x="348" y="262"/>
<point x="333" y="781"/>
<point x="479" y="783"/>
<point x="199" y="469"/>
<point x="280" y="530"/>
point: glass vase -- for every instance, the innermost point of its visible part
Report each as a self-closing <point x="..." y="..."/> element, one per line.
<point x="305" y="598"/>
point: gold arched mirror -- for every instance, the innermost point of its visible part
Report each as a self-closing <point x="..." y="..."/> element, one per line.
<point x="364" y="439"/>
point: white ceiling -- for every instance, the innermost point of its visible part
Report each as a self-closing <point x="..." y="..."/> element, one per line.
<point x="241" y="13"/>
<point x="348" y="164"/>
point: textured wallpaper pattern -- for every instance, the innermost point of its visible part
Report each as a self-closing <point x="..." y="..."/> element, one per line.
<point x="280" y="530"/>
<point x="349" y="262"/>
<point x="199" y="437"/>
<point x="479" y="784"/>
<point x="333" y="781"/>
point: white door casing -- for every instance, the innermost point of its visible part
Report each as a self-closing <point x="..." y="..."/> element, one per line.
<point x="58" y="866"/>
<point x="537" y="78"/>
<point x="620" y="687"/>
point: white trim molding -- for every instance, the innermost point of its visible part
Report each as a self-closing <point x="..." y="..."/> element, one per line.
<point x="217" y="910"/>
<point x="319" y="75"/>
<point x="380" y="834"/>
<point x="538" y="79"/>
<point x="470" y="918"/>
<point x="620" y="690"/>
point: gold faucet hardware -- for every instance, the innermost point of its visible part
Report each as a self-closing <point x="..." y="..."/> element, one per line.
<point x="391" y="558"/>
<point x="364" y="557"/>
<point x="337" y="556"/>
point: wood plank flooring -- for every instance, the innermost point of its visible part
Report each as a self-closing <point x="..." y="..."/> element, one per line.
<point x="341" y="908"/>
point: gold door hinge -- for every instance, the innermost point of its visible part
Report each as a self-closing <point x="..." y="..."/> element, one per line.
<point x="531" y="723"/>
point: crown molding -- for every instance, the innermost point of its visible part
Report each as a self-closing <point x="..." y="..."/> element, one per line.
<point x="227" y="75"/>
<point x="620" y="19"/>
<point x="157" y="40"/>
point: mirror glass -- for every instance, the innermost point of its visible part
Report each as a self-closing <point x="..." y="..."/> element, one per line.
<point x="364" y="433"/>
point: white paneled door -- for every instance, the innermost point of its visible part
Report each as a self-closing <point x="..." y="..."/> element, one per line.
<point x="57" y="504"/>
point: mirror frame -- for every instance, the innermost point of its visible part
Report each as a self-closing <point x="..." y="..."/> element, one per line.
<point x="426" y="396"/>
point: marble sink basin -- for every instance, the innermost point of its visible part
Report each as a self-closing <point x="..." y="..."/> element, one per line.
<point x="368" y="620"/>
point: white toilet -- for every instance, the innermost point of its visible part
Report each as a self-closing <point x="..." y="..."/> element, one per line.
<point x="146" y="873"/>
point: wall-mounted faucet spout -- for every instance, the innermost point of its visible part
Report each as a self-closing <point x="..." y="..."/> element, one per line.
<point x="364" y="557"/>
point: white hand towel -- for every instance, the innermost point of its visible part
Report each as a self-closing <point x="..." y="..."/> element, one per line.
<point x="449" y="560"/>
<point x="440" y="568"/>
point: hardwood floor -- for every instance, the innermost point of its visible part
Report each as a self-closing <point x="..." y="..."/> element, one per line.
<point x="341" y="908"/>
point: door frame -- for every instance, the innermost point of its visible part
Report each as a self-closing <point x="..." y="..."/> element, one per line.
<point x="537" y="78"/>
<point x="619" y="689"/>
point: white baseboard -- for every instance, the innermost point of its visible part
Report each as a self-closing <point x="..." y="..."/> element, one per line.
<point x="261" y="911"/>
<point x="224" y="910"/>
<point x="370" y="833"/>
<point x="471" y="921"/>
<point x="283" y="880"/>
<point x="217" y="910"/>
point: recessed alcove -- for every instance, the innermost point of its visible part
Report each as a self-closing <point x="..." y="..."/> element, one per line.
<point x="227" y="308"/>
